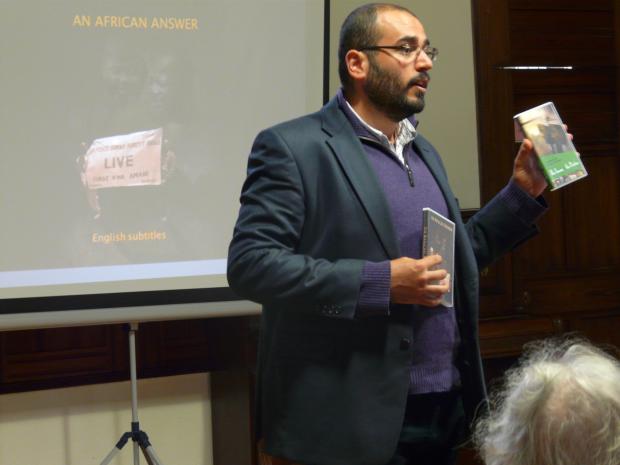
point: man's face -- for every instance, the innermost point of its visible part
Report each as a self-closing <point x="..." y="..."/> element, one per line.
<point x="396" y="84"/>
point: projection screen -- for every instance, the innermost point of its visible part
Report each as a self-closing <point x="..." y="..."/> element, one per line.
<point x="126" y="127"/>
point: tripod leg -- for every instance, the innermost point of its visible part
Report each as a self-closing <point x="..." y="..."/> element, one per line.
<point x="154" y="459"/>
<point x="147" y="449"/>
<point x="108" y="458"/>
<point x="136" y="454"/>
<point x="117" y="448"/>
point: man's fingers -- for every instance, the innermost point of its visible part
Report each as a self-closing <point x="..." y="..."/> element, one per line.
<point x="431" y="260"/>
<point x="526" y="147"/>
<point x="436" y="275"/>
<point x="570" y="136"/>
<point x="437" y="290"/>
<point x="434" y="292"/>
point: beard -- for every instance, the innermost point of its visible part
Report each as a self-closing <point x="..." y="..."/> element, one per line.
<point x="386" y="92"/>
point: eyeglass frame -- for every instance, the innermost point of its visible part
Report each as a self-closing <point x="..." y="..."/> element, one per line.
<point x="405" y="49"/>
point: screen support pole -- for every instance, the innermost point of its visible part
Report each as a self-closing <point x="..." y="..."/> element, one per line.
<point x="139" y="437"/>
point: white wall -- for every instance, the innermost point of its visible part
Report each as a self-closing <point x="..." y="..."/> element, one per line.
<point x="81" y="425"/>
<point x="449" y="118"/>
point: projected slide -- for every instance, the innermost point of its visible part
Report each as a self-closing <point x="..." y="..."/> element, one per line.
<point x="126" y="127"/>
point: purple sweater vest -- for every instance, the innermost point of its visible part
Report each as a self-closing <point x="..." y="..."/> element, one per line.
<point x="434" y="330"/>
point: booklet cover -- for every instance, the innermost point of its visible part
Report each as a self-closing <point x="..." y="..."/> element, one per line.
<point x="558" y="157"/>
<point x="438" y="238"/>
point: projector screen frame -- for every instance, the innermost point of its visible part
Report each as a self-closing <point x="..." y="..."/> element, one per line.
<point x="29" y="306"/>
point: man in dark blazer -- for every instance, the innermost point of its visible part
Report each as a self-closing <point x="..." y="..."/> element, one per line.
<point x="359" y="364"/>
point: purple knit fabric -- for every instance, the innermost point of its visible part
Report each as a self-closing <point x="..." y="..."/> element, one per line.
<point x="434" y="330"/>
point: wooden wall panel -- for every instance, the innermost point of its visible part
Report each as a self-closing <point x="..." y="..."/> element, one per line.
<point x="603" y="328"/>
<point x="567" y="279"/>
<point x="569" y="294"/>
<point x="590" y="116"/>
<point x="562" y="37"/>
<point x="25" y="343"/>
<point x="52" y="358"/>
<point x="494" y="93"/>
<point x="496" y="287"/>
<point x="579" y="233"/>
<point x="504" y="338"/>
<point x="495" y="135"/>
<point x="534" y="5"/>
<point x="574" y="264"/>
<point x="544" y="253"/>
<point x="61" y="357"/>
<point x="173" y="346"/>
<point x="592" y="223"/>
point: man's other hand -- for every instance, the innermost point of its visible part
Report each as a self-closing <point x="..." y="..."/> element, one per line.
<point x="415" y="282"/>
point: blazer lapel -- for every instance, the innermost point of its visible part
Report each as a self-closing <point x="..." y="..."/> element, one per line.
<point x="431" y="158"/>
<point x="351" y="156"/>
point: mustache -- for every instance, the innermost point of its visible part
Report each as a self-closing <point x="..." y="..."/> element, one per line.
<point x="422" y="76"/>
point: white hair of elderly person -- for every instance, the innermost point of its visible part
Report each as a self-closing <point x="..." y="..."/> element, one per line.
<point x="559" y="406"/>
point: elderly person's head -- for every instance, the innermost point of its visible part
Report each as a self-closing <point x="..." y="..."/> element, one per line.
<point x="560" y="406"/>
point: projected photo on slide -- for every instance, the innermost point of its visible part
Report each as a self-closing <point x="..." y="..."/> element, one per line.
<point x="124" y="161"/>
<point x="126" y="130"/>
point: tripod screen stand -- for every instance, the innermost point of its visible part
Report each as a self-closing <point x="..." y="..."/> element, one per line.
<point x="139" y="437"/>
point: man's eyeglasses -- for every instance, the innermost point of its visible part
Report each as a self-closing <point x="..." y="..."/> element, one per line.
<point x="406" y="51"/>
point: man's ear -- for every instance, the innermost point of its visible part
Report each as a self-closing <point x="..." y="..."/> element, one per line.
<point x="357" y="64"/>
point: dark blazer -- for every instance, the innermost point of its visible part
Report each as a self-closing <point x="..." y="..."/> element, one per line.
<point x="332" y="387"/>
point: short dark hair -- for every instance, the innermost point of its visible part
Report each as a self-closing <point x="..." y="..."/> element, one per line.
<point x="358" y="31"/>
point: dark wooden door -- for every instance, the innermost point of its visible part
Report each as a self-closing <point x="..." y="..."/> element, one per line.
<point x="573" y="267"/>
<point x="567" y="279"/>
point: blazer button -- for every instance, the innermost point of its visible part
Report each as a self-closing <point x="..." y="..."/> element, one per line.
<point x="405" y="343"/>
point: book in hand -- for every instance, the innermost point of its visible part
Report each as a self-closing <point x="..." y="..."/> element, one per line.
<point x="438" y="238"/>
<point x="559" y="160"/>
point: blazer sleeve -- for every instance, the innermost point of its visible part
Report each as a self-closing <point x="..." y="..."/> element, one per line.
<point x="505" y="222"/>
<point x="264" y="263"/>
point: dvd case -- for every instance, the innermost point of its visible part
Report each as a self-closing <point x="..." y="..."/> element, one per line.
<point x="438" y="238"/>
<point x="559" y="160"/>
